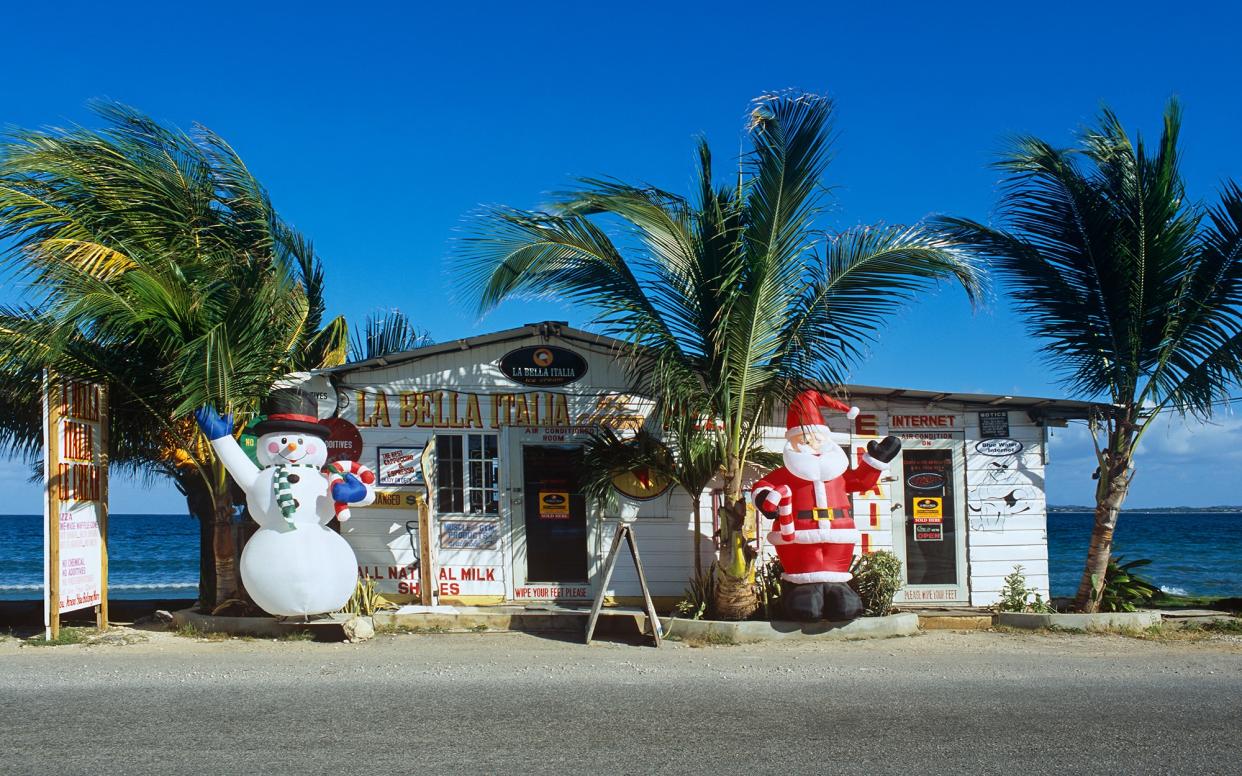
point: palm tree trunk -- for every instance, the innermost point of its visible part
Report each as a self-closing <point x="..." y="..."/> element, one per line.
<point x="224" y="546"/>
<point x="1115" y="478"/>
<point x="198" y="502"/>
<point x="734" y="568"/>
<point x="210" y="500"/>
<point x="698" y="534"/>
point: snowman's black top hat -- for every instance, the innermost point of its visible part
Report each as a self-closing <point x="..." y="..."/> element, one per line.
<point x="292" y="410"/>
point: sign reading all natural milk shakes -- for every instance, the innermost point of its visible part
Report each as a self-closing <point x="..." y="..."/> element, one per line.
<point x="75" y="473"/>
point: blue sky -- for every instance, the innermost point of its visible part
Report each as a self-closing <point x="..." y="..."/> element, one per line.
<point x="377" y="129"/>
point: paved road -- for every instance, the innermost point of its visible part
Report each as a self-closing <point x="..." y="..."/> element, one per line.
<point x="510" y="703"/>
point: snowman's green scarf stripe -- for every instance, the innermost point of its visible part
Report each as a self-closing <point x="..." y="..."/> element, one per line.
<point x="282" y="489"/>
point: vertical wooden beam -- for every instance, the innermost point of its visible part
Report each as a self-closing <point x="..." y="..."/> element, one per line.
<point x="101" y="512"/>
<point x="51" y="483"/>
<point x="426" y="577"/>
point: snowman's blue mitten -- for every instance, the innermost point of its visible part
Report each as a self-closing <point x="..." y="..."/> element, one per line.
<point x="349" y="490"/>
<point x="214" y="425"/>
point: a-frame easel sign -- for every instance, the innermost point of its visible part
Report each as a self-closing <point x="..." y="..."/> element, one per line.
<point x="627" y="531"/>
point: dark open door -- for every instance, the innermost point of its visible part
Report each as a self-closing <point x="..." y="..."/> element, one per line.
<point x="556" y="531"/>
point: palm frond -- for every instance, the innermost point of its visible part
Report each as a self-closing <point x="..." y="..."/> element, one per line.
<point x="385" y="334"/>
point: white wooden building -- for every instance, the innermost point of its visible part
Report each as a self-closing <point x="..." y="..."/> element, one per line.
<point x="494" y="424"/>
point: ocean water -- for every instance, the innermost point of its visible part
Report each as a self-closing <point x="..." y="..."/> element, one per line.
<point x="1191" y="553"/>
<point x="149" y="556"/>
<point x="156" y="556"/>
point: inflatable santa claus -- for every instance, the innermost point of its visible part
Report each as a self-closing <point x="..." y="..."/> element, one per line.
<point x="814" y="533"/>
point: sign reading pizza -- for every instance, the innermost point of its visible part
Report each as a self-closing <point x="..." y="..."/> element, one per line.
<point x="543" y="365"/>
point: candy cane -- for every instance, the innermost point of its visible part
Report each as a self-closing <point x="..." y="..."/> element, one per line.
<point x="336" y="472"/>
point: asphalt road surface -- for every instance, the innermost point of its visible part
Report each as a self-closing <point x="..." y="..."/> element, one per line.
<point x="510" y="703"/>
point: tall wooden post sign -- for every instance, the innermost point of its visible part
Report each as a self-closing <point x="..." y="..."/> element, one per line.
<point x="75" y="505"/>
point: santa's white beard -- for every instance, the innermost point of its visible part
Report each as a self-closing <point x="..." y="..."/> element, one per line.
<point x="806" y="465"/>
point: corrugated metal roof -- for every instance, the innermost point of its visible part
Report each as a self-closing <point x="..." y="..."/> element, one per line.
<point x="1038" y="406"/>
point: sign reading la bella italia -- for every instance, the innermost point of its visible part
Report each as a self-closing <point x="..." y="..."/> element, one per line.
<point x="542" y="365"/>
<point x="377" y="408"/>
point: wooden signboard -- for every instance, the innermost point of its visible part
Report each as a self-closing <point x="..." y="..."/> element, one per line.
<point x="75" y="506"/>
<point x="626" y="531"/>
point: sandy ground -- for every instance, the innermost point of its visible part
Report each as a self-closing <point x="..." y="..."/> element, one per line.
<point x="940" y="702"/>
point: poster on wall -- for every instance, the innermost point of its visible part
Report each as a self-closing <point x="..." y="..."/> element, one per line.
<point x="401" y="466"/>
<point x="469" y="534"/>
<point x="75" y="469"/>
<point x="994" y="424"/>
<point x="553" y="505"/>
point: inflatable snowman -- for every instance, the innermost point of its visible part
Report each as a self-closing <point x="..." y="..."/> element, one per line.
<point x="294" y="564"/>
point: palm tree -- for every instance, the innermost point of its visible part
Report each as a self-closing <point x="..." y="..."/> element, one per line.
<point x="389" y="332"/>
<point x="731" y="300"/>
<point x="1135" y="291"/>
<point x="154" y="261"/>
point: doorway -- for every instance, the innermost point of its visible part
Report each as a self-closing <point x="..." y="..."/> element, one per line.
<point x="929" y="526"/>
<point x="556" y="527"/>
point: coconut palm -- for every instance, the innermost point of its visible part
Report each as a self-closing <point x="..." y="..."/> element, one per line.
<point x="732" y="297"/>
<point x="383" y="333"/>
<point x="1135" y="291"/>
<point x="153" y="260"/>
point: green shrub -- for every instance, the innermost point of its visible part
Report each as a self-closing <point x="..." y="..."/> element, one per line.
<point x="1015" y="596"/>
<point x="697" y="603"/>
<point x="877" y="578"/>
<point x="366" y="601"/>
<point x="1125" y="591"/>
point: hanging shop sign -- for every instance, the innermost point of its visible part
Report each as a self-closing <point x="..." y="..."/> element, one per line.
<point x="469" y="534"/>
<point x="994" y="424"/>
<point x="553" y="505"/>
<point x="642" y="483"/>
<point x="75" y="476"/>
<point x="998" y="448"/>
<point x="543" y="365"/>
<point x="344" y="440"/>
<point x="401" y="466"/>
<point x="929" y="532"/>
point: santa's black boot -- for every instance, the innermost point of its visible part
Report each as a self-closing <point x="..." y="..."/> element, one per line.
<point x="803" y="603"/>
<point x="841" y="602"/>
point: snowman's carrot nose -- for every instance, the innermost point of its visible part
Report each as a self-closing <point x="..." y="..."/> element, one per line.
<point x="291" y="446"/>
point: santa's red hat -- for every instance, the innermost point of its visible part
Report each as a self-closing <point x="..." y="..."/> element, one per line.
<point x="804" y="414"/>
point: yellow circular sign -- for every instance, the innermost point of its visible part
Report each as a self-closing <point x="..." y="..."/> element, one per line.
<point x="641" y="484"/>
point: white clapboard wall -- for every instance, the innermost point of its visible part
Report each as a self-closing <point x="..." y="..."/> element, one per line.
<point x="1008" y="513"/>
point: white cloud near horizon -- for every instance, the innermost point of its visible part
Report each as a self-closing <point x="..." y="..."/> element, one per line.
<point x="1180" y="462"/>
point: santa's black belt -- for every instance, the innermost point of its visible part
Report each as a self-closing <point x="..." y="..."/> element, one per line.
<point x="820" y="514"/>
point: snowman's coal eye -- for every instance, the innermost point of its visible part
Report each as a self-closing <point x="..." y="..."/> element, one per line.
<point x="284" y="440"/>
<point x="299" y="440"/>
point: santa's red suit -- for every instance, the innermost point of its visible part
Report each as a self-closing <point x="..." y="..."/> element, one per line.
<point x="814" y="533"/>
